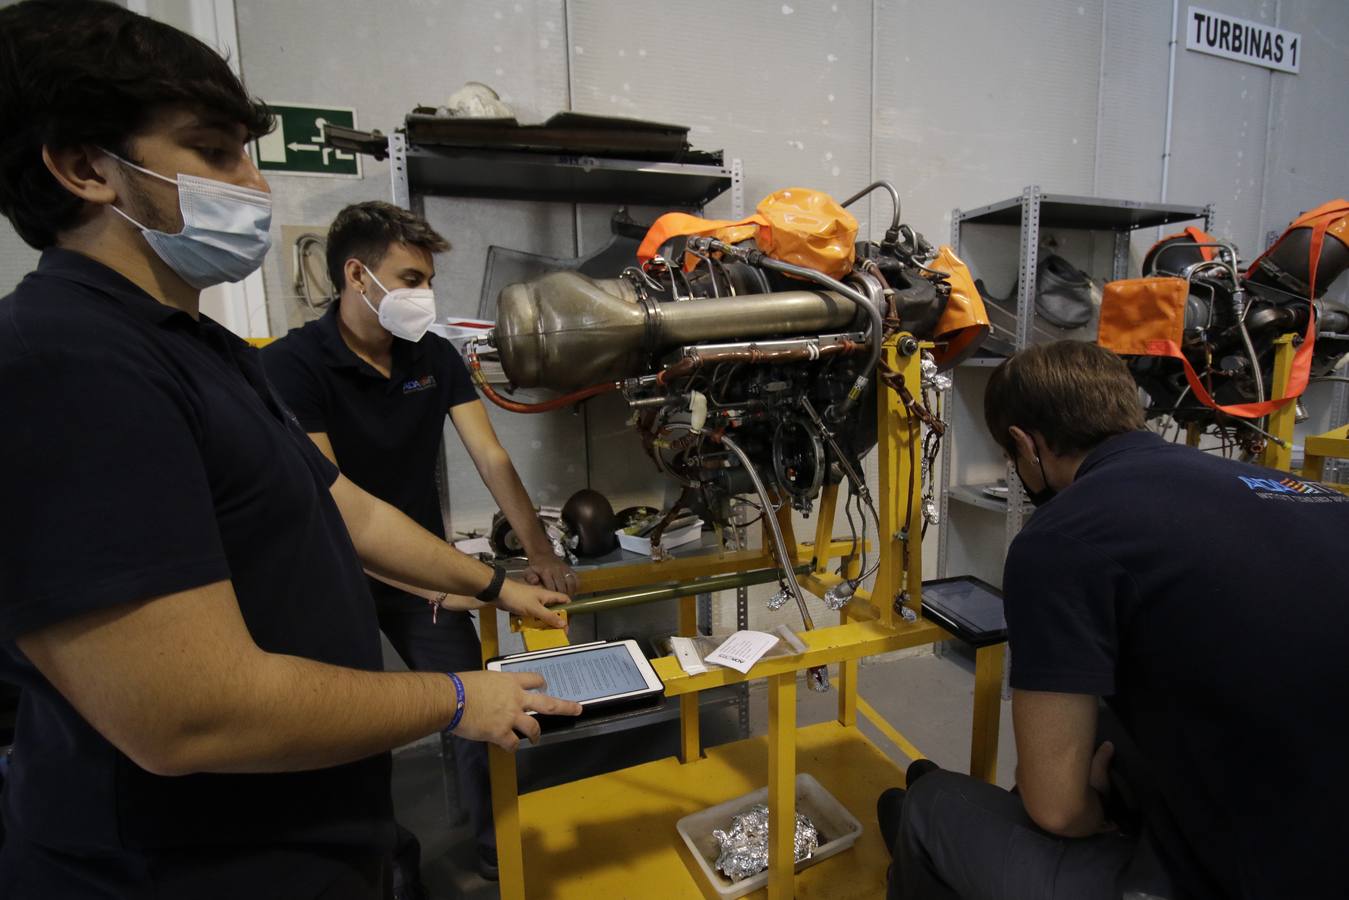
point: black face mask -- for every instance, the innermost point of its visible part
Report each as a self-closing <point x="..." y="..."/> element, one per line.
<point x="1042" y="496"/>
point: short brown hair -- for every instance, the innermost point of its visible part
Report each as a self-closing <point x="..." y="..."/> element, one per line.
<point x="1073" y="393"/>
<point x="365" y="231"/>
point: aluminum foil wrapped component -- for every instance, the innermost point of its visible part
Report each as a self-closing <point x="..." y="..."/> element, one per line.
<point x="931" y="378"/>
<point x="744" y="846"/>
<point x="840" y="595"/>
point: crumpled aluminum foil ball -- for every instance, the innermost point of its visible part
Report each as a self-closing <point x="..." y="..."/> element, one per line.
<point x="744" y="846"/>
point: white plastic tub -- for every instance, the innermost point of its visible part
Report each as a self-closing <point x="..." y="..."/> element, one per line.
<point x="837" y="827"/>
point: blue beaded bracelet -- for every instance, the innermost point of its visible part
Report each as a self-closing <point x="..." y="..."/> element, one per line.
<point x="459" y="703"/>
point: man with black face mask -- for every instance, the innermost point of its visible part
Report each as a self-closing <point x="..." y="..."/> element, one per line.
<point x="1137" y="598"/>
<point x="1045" y="492"/>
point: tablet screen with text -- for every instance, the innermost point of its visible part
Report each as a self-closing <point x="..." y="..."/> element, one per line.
<point x="588" y="675"/>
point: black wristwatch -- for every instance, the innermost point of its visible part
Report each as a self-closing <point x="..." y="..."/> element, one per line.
<point x="490" y="593"/>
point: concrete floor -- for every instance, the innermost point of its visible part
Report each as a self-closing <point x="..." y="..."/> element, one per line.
<point x="927" y="698"/>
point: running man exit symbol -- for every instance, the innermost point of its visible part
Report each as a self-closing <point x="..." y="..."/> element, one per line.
<point x="296" y="146"/>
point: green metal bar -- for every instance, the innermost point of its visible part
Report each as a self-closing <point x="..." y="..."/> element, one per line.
<point x="618" y="599"/>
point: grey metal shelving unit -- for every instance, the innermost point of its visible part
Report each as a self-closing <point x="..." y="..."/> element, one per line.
<point x="1029" y="213"/>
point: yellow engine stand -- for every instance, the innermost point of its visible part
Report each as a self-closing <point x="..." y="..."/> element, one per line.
<point x="1317" y="448"/>
<point x="1333" y="444"/>
<point x="613" y="836"/>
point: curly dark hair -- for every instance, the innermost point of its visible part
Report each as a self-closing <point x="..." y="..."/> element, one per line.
<point x="365" y="231"/>
<point x="78" y="72"/>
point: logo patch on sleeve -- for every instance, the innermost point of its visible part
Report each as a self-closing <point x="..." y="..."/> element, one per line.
<point x="1291" y="489"/>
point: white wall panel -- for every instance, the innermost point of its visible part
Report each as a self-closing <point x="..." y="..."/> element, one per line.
<point x="1310" y="133"/>
<point x="785" y="86"/>
<point x="1132" y="121"/>
<point x="975" y="100"/>
<point x="1218" y="132"/>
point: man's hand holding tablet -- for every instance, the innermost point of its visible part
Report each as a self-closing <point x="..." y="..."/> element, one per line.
<point x="499" y="707"/>
<point x="598" y="676"/>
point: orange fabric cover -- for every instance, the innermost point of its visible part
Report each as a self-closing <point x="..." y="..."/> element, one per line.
<point x="1332" y="217"/>
<point x="808" y="228"/>
<point x="677" y="224"/>
<point x="796" y="225"/>
<point x="964" y="322"/>
<point x="1146" y="317"/>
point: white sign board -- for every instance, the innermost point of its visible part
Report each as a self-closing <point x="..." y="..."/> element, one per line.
<point x="1242" y="40"/>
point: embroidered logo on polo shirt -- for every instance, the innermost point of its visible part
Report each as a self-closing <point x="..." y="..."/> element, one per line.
<point x="1291" y="489"/>
<point x="419" y="384"/>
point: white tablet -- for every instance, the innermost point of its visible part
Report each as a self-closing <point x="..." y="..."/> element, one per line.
<point x="595" y="675"/>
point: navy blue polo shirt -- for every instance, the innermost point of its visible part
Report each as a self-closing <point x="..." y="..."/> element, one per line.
<point x="144" y="454"/>
<point x="1208" y="601"/>
<point x="386" y="432"/>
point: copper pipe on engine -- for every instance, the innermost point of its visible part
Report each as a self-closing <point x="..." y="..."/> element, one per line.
<point x="479" y="379"/>
<point x="686" y="366"/>
<point x="696" y="360"/>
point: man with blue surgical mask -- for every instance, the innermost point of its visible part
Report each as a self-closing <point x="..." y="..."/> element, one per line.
<point x="372" y="388"/>
<point x="223" y="233"/>
<point x="181" y="594"/>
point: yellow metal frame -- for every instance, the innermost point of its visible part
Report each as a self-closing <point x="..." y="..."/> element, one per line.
<point x="1317" y="448"/>
<point x="1333" y="444"/>
<point x="1281" y="421"/>
<point x="869" y="625"/>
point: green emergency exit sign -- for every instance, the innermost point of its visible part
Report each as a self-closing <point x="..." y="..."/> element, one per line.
<point x="296" y="146"/>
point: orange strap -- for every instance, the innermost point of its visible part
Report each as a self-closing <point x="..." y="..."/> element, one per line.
<point x="1199" y="236"/>
<point x="1318" y="220"/>
<point x="1297" y="379"/>
<point x="1146" y="317"/>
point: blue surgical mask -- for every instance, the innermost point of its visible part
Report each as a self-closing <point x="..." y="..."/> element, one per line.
<point x="225" y="232"/>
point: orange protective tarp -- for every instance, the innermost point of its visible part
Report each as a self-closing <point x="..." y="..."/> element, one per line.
<point x="964" y="323"/>
<point x="1332" y="218"/>
<point x="796" y="225"/>
<point x="1146" y="317"/>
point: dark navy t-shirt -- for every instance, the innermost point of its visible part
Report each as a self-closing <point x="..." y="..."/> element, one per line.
<point x="144" y="454"/>
<point x="386" y="432"/>
<point x="1208" y="601"/>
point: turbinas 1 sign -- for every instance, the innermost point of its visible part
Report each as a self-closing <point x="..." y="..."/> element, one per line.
<point x="1243" y="41"/>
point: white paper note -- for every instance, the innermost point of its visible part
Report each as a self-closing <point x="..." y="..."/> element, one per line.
<point x="473" y="546"/>
<point x="742" y="650"/>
